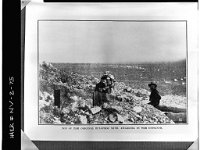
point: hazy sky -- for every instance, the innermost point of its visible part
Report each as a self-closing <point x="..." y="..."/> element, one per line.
<point x="111" y="42"/>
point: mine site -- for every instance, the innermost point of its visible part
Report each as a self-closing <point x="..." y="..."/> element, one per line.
<point x="74" y="94"/>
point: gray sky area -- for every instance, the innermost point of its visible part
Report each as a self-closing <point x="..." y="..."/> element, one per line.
<point x="111" y="42"/>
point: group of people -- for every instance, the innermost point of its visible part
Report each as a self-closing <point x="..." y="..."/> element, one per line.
<point x="106" y="85"/>
<point x="103" y="89"/>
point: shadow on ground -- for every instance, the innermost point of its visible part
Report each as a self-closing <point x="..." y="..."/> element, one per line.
<point x="178" y="115"/>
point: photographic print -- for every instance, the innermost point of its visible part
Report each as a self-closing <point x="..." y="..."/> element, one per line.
<point x="112" y="72"/>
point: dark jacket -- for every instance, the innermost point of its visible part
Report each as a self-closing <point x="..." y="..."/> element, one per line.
<point x="101" y="87"/>
<point x="154" y="98"/>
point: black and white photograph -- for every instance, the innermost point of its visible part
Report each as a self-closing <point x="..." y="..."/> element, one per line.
<point x="102" y="72"/>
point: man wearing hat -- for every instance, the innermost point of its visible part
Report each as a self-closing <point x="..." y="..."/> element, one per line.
<point x="154" y="97"/>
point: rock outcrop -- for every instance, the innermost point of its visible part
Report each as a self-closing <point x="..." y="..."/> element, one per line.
<point x="126" y="105"/>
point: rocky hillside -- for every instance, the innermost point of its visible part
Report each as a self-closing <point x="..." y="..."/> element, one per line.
<point x="126" y="105"/>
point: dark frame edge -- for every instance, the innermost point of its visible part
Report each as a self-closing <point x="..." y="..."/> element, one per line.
<point x="23" y="14"/>
<point x="11" y="70"/>
<point x="101" y="145"/>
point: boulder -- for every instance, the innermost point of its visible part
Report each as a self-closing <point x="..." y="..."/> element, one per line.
<point x="95" y="109"/>
<point x="141" y="92"/>
<point x="123" y="98"/>
<point x="83" y="119"/>
<point x="75" y="98"/>
<point x="137" y="109"/>
<point x="46" y="96"/>
<point x="57" y="121"/>
<point x="89" y="102"/>
<point x="82" y="103"/>
<point x="105" y="105"/>
<point x="65" y="110"/>
<point x="112" y="117"/>
<point x="74" y="106"/>
<point x="118" y="108"/>
<point x="43" y="104"/>
<point x="120" y="118"/>
<point x="128" y="89"/>
<point x="119" y="98"/>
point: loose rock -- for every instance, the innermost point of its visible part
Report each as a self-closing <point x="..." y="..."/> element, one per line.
<point x="137" y="109"/>
<point x="83" y="119"/>
<point x="112" y="117"/>
<point x="95" y="110"/>
<point x="120" y="118"/>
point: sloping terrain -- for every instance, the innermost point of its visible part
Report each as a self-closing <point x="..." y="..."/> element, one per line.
<point x="126" y="105"/>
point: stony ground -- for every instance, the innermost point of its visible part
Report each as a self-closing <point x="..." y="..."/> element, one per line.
<point x="126" y="105"/>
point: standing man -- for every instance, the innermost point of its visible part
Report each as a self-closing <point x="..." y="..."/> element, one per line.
<point x="154" y="97"/>
<point x="100" y="92"/>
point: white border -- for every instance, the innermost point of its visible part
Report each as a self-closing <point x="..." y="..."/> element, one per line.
<point x="110" y="11"/>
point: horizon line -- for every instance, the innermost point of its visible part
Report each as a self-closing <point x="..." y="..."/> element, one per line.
<point x="156" y="62"/>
